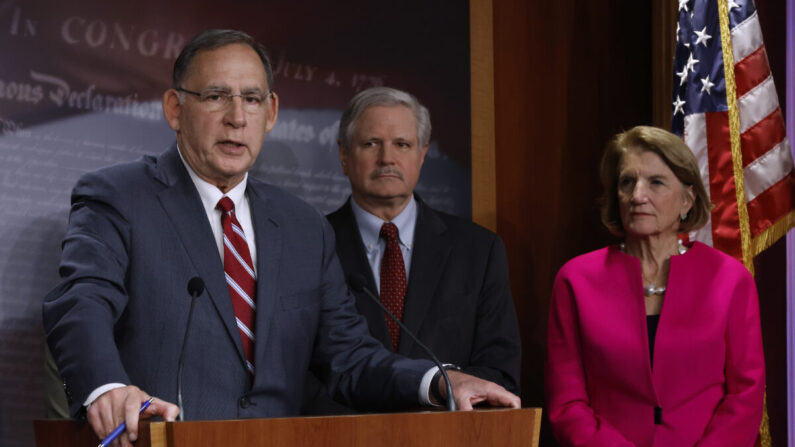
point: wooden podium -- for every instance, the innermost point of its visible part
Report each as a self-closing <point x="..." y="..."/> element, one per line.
<point x="461" y="428"/>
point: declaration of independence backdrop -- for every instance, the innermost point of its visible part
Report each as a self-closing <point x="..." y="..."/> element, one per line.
<point x="80" y="88"/>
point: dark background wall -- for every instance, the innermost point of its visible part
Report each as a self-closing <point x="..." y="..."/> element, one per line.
<point x="771" y="266"/>
<point x="568" y="75"/>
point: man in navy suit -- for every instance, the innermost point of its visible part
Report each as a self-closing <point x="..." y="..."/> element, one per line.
<point x="139" y="232"/>
<point x="453" y="283"/>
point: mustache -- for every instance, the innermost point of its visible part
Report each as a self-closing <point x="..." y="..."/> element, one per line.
<point x="387" y="170"/>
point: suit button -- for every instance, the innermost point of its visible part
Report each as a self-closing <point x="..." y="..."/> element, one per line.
<point x="244" y="402"/>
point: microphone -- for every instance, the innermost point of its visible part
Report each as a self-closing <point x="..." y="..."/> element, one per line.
<point x="195" y="288"/>
<point x="359" y="284"/>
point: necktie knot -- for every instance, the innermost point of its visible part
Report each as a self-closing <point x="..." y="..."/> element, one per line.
<point x="389" y="232"/>
<point x="225" y="204"/>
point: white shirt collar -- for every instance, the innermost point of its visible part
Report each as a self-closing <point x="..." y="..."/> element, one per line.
<point x="209" y="193"/>
<point x="370" y="224"/>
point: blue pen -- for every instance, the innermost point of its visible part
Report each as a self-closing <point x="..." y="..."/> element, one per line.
<point x="120" y="429"/>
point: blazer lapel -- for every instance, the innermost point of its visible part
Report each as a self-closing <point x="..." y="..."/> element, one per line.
<point x="430" y="251"/>
<point x="182" y="204"/>
<point x="678" y="311"/>
<point x="624" y="306"/>
<point x="266" y="222"/>
<point x="352" y="254"/>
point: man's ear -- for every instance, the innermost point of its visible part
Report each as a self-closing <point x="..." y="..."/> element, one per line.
<point x="423" y="154"/>
<point x="172" y="108"/>
<point x="272" y="112"/>
<point x="343" y="158"/>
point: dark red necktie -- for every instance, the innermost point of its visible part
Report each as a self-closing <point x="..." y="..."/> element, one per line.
<point x="240" y="277"/>
<point x="393" y="280"/>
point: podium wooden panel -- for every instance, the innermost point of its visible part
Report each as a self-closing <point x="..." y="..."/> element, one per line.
<point x="482" y="427"/>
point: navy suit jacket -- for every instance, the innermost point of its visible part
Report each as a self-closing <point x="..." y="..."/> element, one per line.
<point x="458" y="300"/>
<point x="138" y="233"/>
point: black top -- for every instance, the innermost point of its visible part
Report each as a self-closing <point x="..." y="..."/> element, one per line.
<point x="651" y="323"/>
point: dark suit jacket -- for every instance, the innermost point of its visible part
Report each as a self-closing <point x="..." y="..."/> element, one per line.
<point x="138" y="232"/>
<point x="458" y="300"/>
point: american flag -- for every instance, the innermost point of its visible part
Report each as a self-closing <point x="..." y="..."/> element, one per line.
<point x="733" y="124"/>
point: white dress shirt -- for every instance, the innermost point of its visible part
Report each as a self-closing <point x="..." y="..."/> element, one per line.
<point x="210" y="195"/>
<point x="370" y="231"/>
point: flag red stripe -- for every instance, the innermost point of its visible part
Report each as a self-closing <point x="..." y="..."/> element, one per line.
<point x="725" y="219"/>
<point x="771" y="205"/>
<point x="752" y="70"/>
<point x="763" y="136"/>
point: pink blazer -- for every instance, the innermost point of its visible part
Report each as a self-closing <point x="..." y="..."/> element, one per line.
<point x="709" y="375"/>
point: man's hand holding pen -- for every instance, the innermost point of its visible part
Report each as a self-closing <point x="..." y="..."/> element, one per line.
<point x="122" y="405"/>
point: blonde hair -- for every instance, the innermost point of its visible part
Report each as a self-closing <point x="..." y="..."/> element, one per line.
<point x="676" y="155"/>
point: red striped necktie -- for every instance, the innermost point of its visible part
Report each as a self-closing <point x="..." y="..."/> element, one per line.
<point x="240" y="277"/>
<point x="393" y="280"/>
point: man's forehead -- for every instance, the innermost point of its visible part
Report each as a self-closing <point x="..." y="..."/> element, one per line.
<point x="388" y="113"/>
<point x="228" y="63"/>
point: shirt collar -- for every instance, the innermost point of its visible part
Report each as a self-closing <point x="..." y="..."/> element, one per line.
<point x="209" y="193"/>
<point x="370" y="225"/>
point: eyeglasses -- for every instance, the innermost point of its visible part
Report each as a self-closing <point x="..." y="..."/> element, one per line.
<point x="217" y="100"/>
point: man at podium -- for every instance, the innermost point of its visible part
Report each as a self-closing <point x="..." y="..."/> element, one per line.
<point x="271" y="301"/>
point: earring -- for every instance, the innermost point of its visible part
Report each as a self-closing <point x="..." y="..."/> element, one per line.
<point x="683" y="216"/>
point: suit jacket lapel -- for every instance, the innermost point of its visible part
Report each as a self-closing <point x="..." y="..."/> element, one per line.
<point x="182" y="204"/>
<point x="266" y="222"/>
<point x="353" y="257"/>
<point x="430" y="251"/>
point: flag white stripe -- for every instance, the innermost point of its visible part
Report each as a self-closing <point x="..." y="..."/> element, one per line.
<point x="703" y="234"/>
<point x="240" y="291"/>
<point x="746" y="37"/>
<point x="696" y="138"/>
<point x="767" y="170"/>
<point x="238" y="257"/>
<point x="758" y="103"/>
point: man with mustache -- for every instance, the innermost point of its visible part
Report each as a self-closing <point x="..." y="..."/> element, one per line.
<point x="445" y="277"/>
<point x="275" y="304"/>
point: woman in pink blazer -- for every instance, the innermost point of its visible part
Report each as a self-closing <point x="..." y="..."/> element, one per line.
<point x="652" y="342"/>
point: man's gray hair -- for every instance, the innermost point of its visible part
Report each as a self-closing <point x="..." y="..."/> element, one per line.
<point x="383" y="96"/>
<point x="216" y="38"/>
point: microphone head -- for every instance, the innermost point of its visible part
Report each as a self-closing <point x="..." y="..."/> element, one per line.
<point x="195" y="286"/>
<point x="357" y="282"/>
